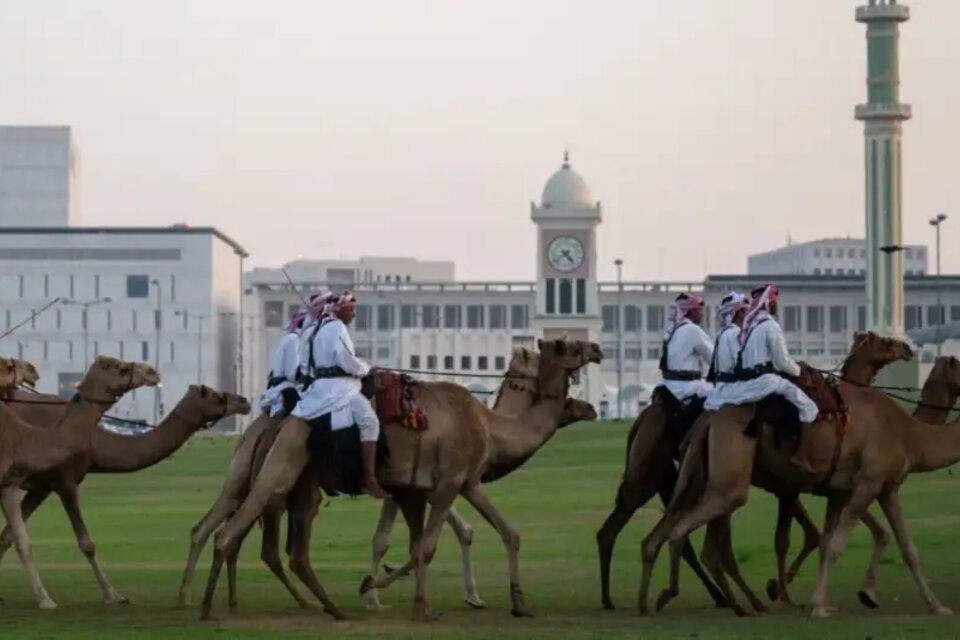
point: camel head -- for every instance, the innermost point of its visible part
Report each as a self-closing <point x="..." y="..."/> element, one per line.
<point x="370" y="385"/>
<point x="14" y="372"/>
<point x="877" y="350"/>
<point x="946" y="371"/>
<point x="115" y="377"/>
<point x="570" y="355"/>
<point x="211" y="405"/>
<point x="524" y="363"/>
<point x="575" y="410"/>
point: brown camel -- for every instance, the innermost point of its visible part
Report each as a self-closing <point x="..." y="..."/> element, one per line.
<point x="463" y="439"/>
<point x="869" y="460"/>
<point x="106" y="452"/>
<point x="650" y="468"/>
<point x="28" y="451"/>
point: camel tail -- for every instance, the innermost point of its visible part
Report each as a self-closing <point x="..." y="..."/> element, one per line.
<point x="693" y="471"/>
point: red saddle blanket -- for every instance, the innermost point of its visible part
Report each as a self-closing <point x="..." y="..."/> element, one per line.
<point x="826" y="391"/>
<point x="397" y="402"/>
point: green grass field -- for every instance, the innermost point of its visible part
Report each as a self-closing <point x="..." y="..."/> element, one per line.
<point x="141" y="524"/>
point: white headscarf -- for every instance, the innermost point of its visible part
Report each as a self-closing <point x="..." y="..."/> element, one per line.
<point x="729" y="306"/>
<point x="759" y="308"/>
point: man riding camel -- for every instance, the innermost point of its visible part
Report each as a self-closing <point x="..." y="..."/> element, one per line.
<point x="687" y="350"/>
<point x="733" y="309"/>
<point x="281" y="393"/>
<point x="335" y="388"/>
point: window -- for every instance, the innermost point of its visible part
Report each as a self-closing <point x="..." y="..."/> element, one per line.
<point x="838" y="319"/>
<point x="448" y="363"/>
<point x="383" y="353"/>
<point x="482" y="363"/>
<point x="838" y="349"/>
<point x="72" y="294"/>
<point x="863" y="253"/>
<point x="46" y="286"/>
<point x="816" y="271"/>
<point x="828" y="253"/>
<point x="364" y="318"/>
<point x="608" y="314"/>
<point x="816" y="252"/>
<point x="465" y="363"/>
<point x="414" y="362"/>
<point x="653" y="353"/>
<point x="173" y="287"/>
<point x="121" y="350"/>
<point x="633" y="318"/>
<point x="139" y="287"/>
<point x="954" y="313"/>
<point x="385" y="313"/>
<point x="21" y="290"/>
<point x="171" y="352"/>
<point x="430" y="316"/>
<point x="815" y="319"/>
<point x="631" y="353"/>
<point x="851" y="272"/>
<point x="498" y="316"/>
<point x="59" y="319"/>
<point x="655" y="315"/>
<point x="83" y="319"/>
<point x="133" y="321"/>
<point x="861" y="318"/>
<point x="157" y="319"/>
<point x="551" y="295"/>
<point x="907" y="253"/>
<point x="581" y="295"/>
<point x="451" y="316"/>
<point x="932" y="312"/>
<point x="913" y="317"/>
<point x="272" y="313"/>
<point x="794" y="349"/>
<point x="566" y="295"/>
<point x="791" y="318"/>
<point x="408" y="316"/>
<point x="850" y="252"/>
<point x="431" y="362"/>
<point x="828" y="271"/>
<point x="519" y="316"/>
<point x="96" y="286"/>
<point x="362" y="352"/>
<point x="499" y="363"/>
<point x="815" y="350"/>
<point x="46" y="350"/>
<point x="291" y="309"/>
<point x="144" y="351"/>
<point x="475" y="316"/>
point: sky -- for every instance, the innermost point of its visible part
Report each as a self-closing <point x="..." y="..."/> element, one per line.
<point x="708" y="129"/>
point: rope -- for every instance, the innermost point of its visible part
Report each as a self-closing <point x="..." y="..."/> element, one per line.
<point x="453" y="374"/>
<point x="886" y="389"/>
<point x="32" y="315"/>
<point x="145" y="425"/>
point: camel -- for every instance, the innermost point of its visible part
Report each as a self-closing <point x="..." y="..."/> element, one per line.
<point x="107" y="452"/>
<point x="464" y="439"/>
<point x="28" y="451"/>
<point x="870" y="459"/>
<point x="650" y="470"/>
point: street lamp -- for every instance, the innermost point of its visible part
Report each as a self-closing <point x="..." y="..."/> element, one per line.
<point x="86" y="304"/>
<point x="936" y="222"/>
<point x="619" y="264"/>
<point x="156" y="350"/>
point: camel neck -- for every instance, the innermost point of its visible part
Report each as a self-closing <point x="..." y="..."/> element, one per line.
<point x="936" y="398"/>
<point x="931" y="447"/>
<point x="115" y="453"/>
<point x="858" y="372"/>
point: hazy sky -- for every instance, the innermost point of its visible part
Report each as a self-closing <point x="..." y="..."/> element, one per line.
<point x="709" y="129"/>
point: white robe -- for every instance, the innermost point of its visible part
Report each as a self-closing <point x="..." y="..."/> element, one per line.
<point x="766" y="344"/>
<point x="340" y="397"/>
<point x="306" y="334"/>
<point x="283" y="364"/>
<point x="725" y="355"/>
<point x="690" y="349"/>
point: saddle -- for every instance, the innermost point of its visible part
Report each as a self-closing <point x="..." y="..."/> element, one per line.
<point x="680" y="415"/>
<point x="397" y="401"/>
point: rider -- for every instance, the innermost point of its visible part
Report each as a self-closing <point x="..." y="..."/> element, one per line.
<point x="336" y="386"/>
<point x="686" y="349"/>
<point x="281" y="393"/>
<point x="311" y="324"/>
<point x="732" y="311"/>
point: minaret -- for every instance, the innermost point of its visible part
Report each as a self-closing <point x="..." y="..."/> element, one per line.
<point x="882" y="116"/>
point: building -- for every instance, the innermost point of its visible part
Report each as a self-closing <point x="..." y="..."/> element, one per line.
<point x="39" y="177"/>
<point x="828" y="257"/>
<point x="124" y="292"/>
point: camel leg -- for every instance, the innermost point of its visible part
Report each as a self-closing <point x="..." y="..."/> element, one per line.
<point x="270" y="551"/>
<point x="841" y="518"/>
<point x="729" y="561"/>
<point x="710" y="556"/>
<point x="413" y="506"/>
<point x="300" y="520"/>
<point x="70" y="499"/>
<point x="28" y="504"/>
<point x="868" y="595"/>
<point x="651" y="548"/>
<point x="890" y="503"/>
<point x="10" y="503"/>
<point x="286" y="460"/>
<point x="381" y="542"/>
<point x="788" y="509"/>
<point x="511" y="540"/>
<point x="464" y="532"/>
<point x="440" y="502"/>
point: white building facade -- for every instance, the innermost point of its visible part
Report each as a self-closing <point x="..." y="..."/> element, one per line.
<point x="39" y="177"/>
<point x="169" y="296"/>
<point x="829" y="257"/>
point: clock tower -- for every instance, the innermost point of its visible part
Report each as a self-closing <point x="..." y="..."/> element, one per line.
<point x="567" y="304"/>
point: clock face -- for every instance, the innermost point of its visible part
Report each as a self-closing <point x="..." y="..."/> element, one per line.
<point x="565" y="253"/>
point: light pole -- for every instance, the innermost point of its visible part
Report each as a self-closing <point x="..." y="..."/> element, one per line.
<point x="936" y="222"/>
<point x="619" y="263"/>
<point x="86" y="304"/>
<point x="156" y="350"/>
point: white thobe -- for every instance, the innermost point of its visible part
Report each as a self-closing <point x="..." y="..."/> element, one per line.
<point x="306" y="335"/>
<point x="340" y="397"/>
<point x="725" y="356"/>
<point x="283" y="364"/>
<point x="689" y="349"/>
<point x="766" y="344"/>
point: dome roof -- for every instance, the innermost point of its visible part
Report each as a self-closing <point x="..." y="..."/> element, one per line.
<point x="566" y="187"/>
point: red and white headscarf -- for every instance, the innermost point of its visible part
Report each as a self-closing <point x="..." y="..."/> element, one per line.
<point x="338" y="302"/>
<point x="759" y="308"/>
<point x="318" y="304"/>
<point x="729" y="306"/>
<point x="683" y="305"/>
<point x="296" y="319"/>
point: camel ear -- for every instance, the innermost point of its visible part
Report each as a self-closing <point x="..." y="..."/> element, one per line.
<point x="539" y="344"/>
<point x="561" y="347"/>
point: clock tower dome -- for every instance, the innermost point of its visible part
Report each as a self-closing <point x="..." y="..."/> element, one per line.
<point x="567" y="305"/>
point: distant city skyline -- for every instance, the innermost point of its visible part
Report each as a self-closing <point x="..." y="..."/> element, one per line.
<point x="709" y="130"/>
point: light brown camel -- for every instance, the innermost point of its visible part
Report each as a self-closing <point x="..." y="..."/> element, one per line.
<point x="434" y="465"/>
<point x="938" y="395"/>
<point x="650" y="468"/>
<point x="869" y="461"/>
<point x="28" y="450"/>
<point x="107" y="452"/>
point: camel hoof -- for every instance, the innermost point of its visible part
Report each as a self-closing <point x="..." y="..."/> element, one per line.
<point x="48" y="604"/>
<point x="233" y="607"/>
<point x="426" y="614"/>
<point x="521" y="612"/>
<point x="822" y="611"/>
<point x="866" y="599"/>
<point x="474" y="602"/>
<point x="664" y="599"/>
<point x="206" y="617"/>
<point x="366" y="584"/>
<point x="773" y="590"/>
<point x="374" y="607"/>
<point x="117" y="598"/>
<point x="388" y="569"/>
<point x="335" y="613"/>
<point x="943" y="611"/>
<point x="608" y="604"/>
<point x="184" y="602"/>
<point x="740" y="612"/>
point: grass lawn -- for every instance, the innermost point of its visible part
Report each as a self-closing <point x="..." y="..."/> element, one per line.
<point x="141" y="524"/>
